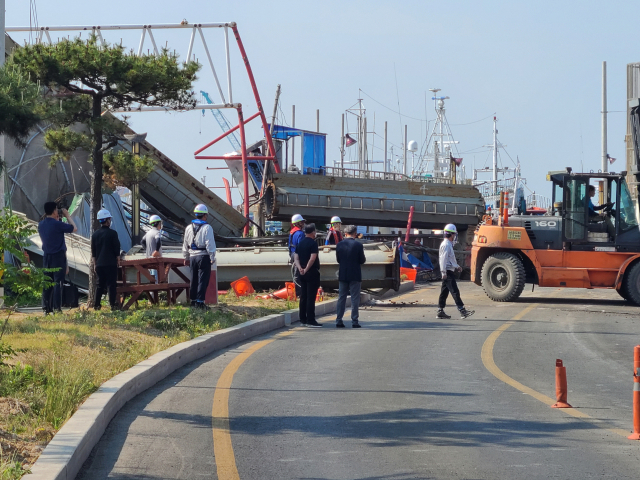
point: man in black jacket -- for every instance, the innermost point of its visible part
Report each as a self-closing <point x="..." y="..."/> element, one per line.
<point x="350" y="255"/>
<point x="105" y="258"/>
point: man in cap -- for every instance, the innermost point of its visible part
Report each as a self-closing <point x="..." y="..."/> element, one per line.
<point x="334" y="236"/>
<point x="152" y="241"/>
<point x="448" y="267"/>
<point x="52" y="231"/>
<point x="105" y="258"/>
<point x="295" y="237"/>
<point x="199" y="251"/>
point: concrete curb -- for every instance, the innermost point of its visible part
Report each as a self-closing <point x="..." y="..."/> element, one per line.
<point x="70" y="447"/>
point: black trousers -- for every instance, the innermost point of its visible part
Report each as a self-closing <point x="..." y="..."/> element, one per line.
<point x="450" y="285"/>
<point x="52" y="296"/>
<point x="107" y="277"/>
<point x="200" y="275"/>
<point x="309" y="285"/>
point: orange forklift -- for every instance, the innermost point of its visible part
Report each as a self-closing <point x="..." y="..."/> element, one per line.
<point x="574" y="245"/>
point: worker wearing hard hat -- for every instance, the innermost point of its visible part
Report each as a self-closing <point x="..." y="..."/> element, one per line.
<point x="199" y="251"/>
<point x="297" y="233"/>
<point x="334" y="235"/>
<point x="152" y="241"/>
<point x="295" y="237"/>
<point x="448" y="267"/>
<point x="105" y="258"/>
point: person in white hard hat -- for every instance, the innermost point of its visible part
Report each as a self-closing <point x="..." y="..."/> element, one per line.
<point x="448" y="267"/>
<point x="199" y="251"/>
<point x="334" y="235"/>
<point x="152" y="241"/>
<point x="105" y="259"/>
<point x="295" y="237"/>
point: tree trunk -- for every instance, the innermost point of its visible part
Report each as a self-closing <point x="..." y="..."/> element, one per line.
<point x="96" y="186"/>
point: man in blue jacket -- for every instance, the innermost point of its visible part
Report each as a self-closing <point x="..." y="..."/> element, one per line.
<point x="350" y="256"/>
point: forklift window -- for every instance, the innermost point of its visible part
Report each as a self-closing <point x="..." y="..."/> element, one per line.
<point x="628" y="218"/>
<point x="575" y="207"/>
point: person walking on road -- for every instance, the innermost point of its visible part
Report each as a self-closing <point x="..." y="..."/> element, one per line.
<point x="295" y="237"/>
<point x="105" y="257"/>
<point x="448" y="267"/>
<point x="309" y="275"/>
<point x="333" y="235"/>
<point x="54" y="247"/>
<point x="199" y="251"/>
<point x="152" y="241"/>
<point x="350" y="256"/>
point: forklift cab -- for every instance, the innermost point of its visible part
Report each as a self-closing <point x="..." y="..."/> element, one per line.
<point x="611" y="226"/>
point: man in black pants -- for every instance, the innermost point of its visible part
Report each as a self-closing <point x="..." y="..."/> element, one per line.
<point x="307" y="254"/>
<point x="52" y="231"/>
<point x="105" y="257"/>
<point x="199" y="251"/>
<point x="448" y="267"/>
<point x="350" y="256"/>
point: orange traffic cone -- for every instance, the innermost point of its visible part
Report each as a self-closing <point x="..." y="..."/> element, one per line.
<point x="636" y="394"/>
<point x="242" y="287"/>
<point x="561" y="386"/>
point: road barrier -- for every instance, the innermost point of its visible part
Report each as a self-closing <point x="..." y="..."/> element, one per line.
<point x="636" y="394"/>
<point x="561" y="386"/>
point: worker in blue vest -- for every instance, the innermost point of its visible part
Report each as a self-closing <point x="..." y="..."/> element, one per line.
<point x="334" y="235"/>
<point x="199" y="251"/>
<point x="295" y="236"/>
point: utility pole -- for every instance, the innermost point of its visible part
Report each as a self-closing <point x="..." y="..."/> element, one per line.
<point x="318" y="120"/>
<point x="605" y="160"/>
<point x="404" y="168"/>
<point x="293" y="139"/>
<point x="342" y="149"/>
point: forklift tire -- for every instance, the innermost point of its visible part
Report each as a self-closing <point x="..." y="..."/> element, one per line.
<point x="503" y="277"/>
<point x="632" y="284"/>
<point x="623" y="294"/>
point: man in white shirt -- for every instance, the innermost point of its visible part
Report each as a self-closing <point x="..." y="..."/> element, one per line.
<point x="199" y="251"/>
<point x="448" y="267"/>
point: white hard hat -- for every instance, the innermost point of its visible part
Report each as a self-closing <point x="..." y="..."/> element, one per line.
<point x="297" y="218"/>
<point x="103" y="214"/>
<point x="201" y="208"/>
<point x="451" y="228"/>
<point x="154" y="219"/>
<point x="335" y="220"/>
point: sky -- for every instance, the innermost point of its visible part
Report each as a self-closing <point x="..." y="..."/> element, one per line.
<point x="536" y="65"/>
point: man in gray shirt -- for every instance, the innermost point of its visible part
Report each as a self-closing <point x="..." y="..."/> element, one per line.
<point x="152" y="241"/>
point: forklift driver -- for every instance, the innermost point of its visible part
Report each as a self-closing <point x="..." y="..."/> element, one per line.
<point x="593" y="209"/>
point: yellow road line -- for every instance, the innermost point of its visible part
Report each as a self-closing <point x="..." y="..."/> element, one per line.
<point x="222" y="446"/>
<point x="490" y="364"/>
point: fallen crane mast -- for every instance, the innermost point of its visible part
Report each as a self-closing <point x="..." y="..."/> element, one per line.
<point x="266" y="266"/>
<point x="372" y="201"/>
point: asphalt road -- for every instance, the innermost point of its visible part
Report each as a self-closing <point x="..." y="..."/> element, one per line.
<point x="406" y="396"/>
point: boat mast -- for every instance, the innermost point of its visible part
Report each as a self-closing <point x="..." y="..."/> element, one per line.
<point x="495" y="160"/>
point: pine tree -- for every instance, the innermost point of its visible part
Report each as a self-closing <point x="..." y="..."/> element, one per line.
<point x="85" y="79"/>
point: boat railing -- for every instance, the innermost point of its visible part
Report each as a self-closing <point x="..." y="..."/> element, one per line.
<point x="540" y="201"/>
<point x="372" y="175"/>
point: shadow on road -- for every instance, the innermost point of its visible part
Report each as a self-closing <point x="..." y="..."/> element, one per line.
<point x="574" y="301"/>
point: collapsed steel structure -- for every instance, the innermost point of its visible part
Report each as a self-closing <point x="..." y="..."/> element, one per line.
<point x="44" y="33"/>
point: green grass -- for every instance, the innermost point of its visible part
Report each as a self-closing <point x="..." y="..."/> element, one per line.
<point x="60" y="360"/>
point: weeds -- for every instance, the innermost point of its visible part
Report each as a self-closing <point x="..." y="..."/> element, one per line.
<point x="50" y="365"/>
